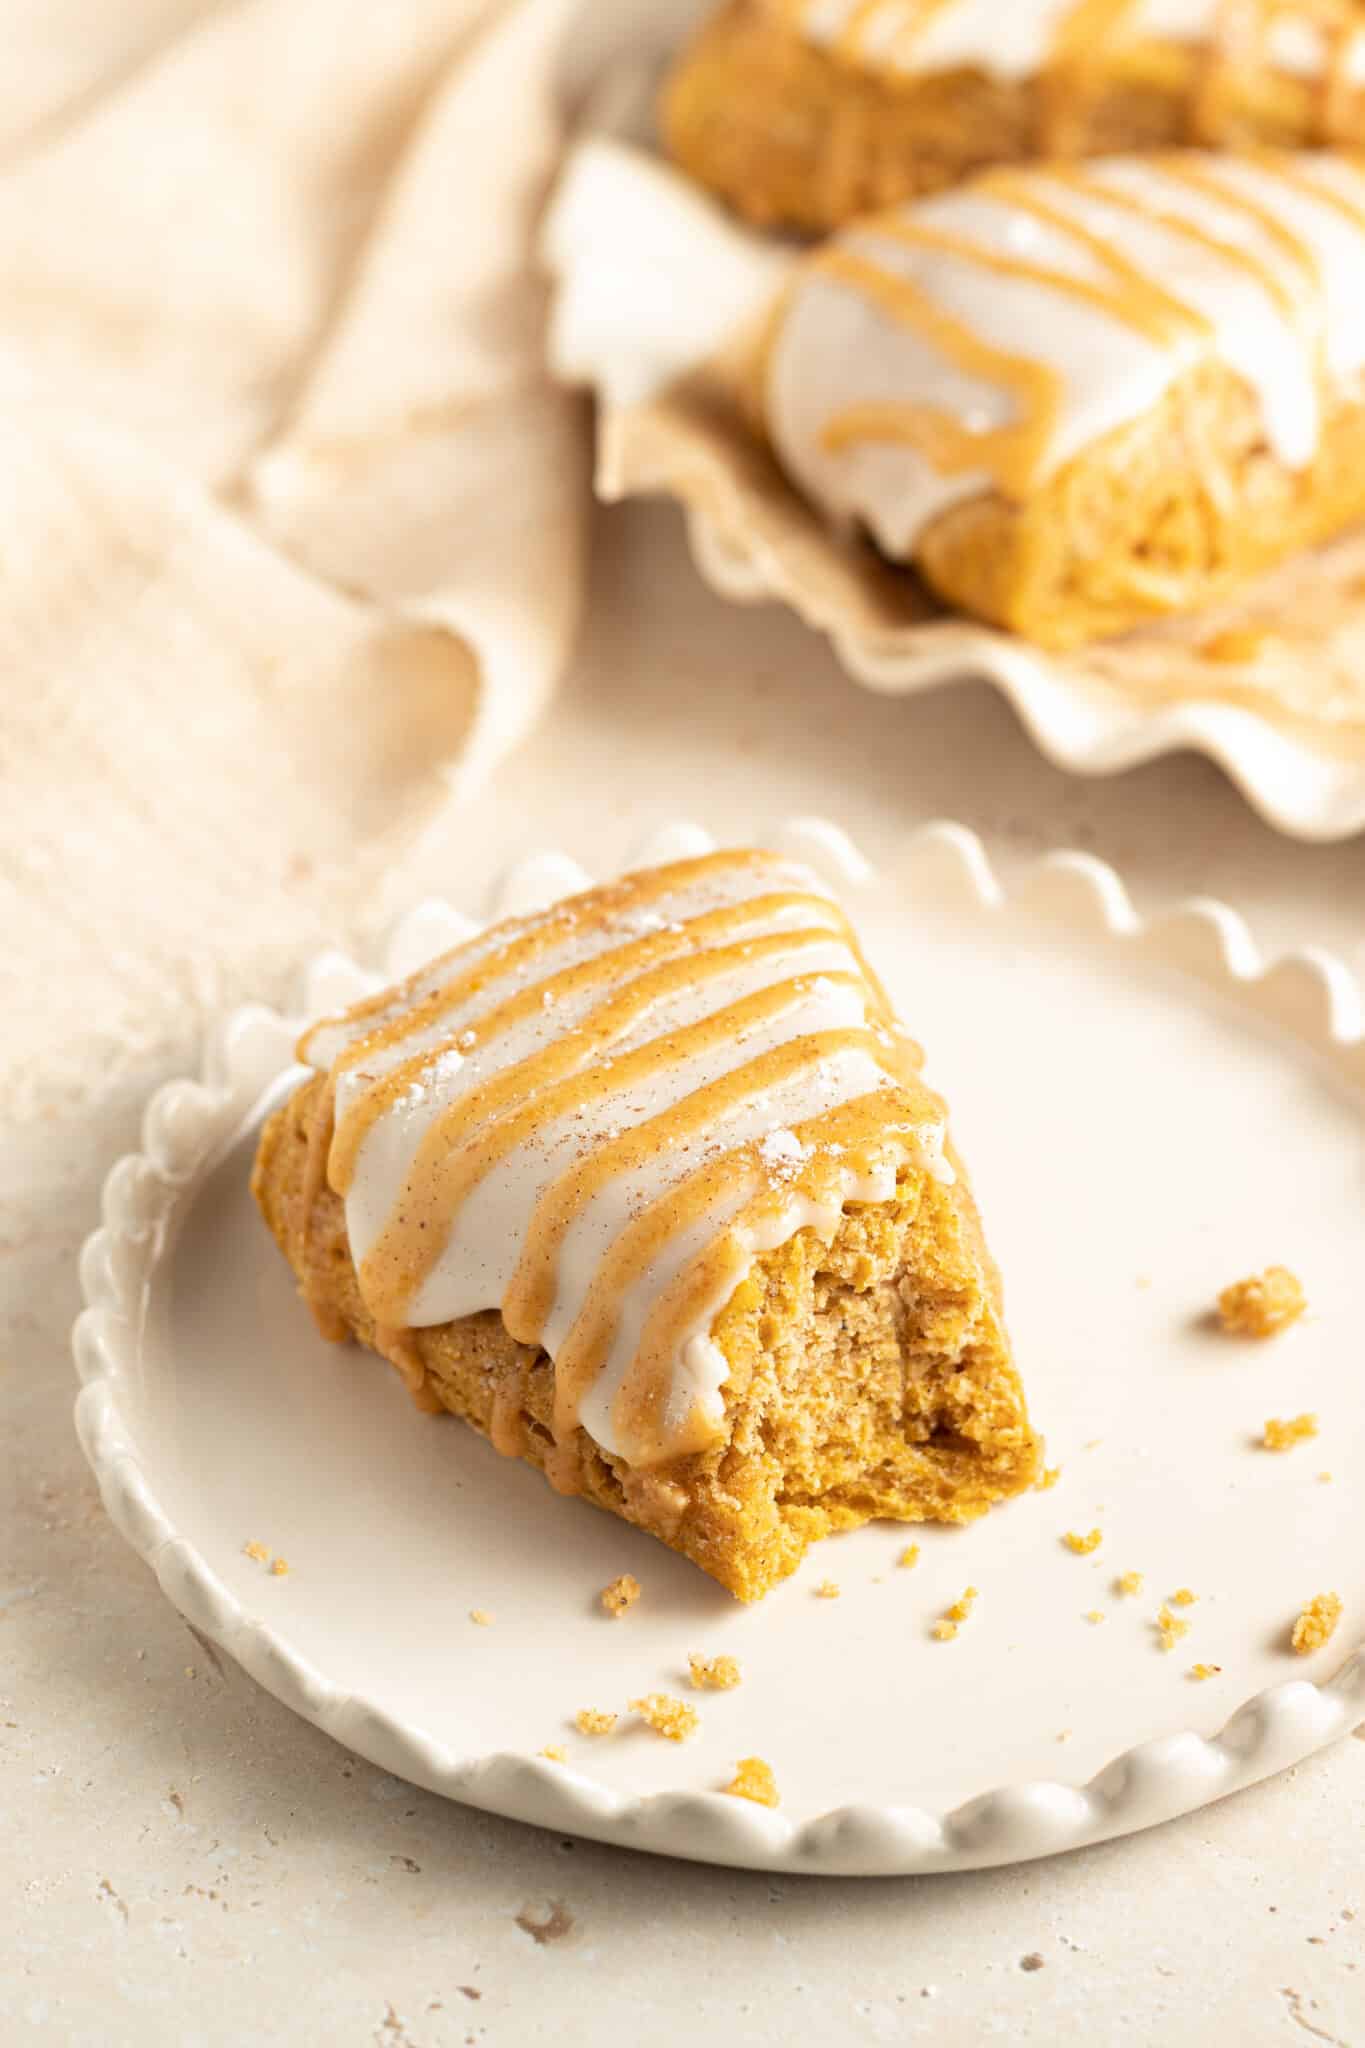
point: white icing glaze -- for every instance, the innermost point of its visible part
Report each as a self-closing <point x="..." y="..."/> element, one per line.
<point x="735" y="974"/>
<point x="1271" y="302"/>
<point x="1016" y="39"/>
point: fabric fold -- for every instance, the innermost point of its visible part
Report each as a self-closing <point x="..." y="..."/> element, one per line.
<point x="292" y="521"/>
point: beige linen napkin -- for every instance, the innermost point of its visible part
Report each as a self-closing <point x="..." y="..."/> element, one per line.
<point x="291" y="520"/>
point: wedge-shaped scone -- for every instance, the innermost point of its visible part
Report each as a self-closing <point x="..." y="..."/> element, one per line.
<point x="1077" y="398"/>
<point x="807" y="113"/>
<point x="649" y="1190"/>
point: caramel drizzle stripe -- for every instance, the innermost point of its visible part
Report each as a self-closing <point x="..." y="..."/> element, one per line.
<point x="639" y="962"/>
<point x="527" y="940"/>
<point x="390" y="1002"/>
<point x="639" y="1409"/>
<point x="534" y="1286"/>
<point x="1016" y="188"/>
<point x="1204" y="178"/>
<point x="402" y="1353"/>
<point x="1128" y="297"/>
<point x="455" y="1155"/>
<point x="1014" y="452"/>
<point x="738" y="1174"/>
<point x="1080" y="180"/>
<point x="1292" y="172"/>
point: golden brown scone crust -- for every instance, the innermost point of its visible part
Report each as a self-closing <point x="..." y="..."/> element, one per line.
<point x="1166" y="515"/>
<point x="868" y="1378"/>
<point x="791" y="135"/>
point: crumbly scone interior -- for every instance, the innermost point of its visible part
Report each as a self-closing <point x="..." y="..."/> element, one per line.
<point x="869" y="1378"/>
<point x="1165" y="514"/>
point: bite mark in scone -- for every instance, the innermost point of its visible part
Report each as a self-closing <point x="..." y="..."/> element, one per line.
<point x="648" y="1188"/>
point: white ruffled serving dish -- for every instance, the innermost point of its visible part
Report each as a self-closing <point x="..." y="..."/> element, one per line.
<point x="1149" y="1108"/>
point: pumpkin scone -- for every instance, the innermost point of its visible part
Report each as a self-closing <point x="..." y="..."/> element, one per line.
<point x="648" y="1188"/>
<point x="807" y="113"/>
<point x="1079" y="398"/>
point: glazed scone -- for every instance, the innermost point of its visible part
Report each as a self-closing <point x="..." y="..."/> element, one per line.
<point x="1077" y="398"/>
<point x="648" y="1188"/>
<point x="807" y="113"/>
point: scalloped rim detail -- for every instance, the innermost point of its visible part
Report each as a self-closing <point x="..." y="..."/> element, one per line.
<point x="1304" y="791"/>
<point x="187" y="1125"/>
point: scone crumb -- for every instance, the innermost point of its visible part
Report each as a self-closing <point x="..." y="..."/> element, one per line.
<point x="945" y="1630"/>
<point x="621" y="1595"/>
<point x="1282" y="1433"/>
<point x="1128" y="1583"/>
<point x="1324" y="1479"/>
<point x="754" y="1780"/>
<point x="1083" y="1545"/>
<point x="909" y="1557"/>
<point x="716" y="1674"/>
<point x="1171" y="1627"/>
<point x="1317" y="1624"/>
<point x="668" y="1717"/>
<point x="827" y="1590"/>
<point x="555" y="1752"/>
<point x="961" y="1610"/>
<point x="259" y="1551"/>
<point x="1184" y="1598"/>
<point x="1262" y="1305"/>
<point x="278" y="1568"/>
<point x="1203" y="1671"/>
<point x="594" y="1721"/>
<point x="1096" y="1614"/>
<point x="1048" y="1478"/>
<point x="481" y="1617"/>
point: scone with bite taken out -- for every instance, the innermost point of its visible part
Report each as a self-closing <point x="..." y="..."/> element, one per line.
<point x="648" y="1188"/>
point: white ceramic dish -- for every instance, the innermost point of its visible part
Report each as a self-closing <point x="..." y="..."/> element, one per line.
<point x="1149" y="1111"/>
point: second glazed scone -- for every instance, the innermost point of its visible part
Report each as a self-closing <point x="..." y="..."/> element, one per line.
<point x="1079" y="399"/>
<point x="649" y="1190"/>
<point x="807" y="113"/>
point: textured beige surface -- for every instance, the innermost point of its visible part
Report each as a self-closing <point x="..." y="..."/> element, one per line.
<point x="184" y="1861"/>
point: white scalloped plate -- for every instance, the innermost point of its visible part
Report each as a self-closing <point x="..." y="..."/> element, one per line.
<point x="651" y="282"/>
<point x="1149" y="1111"/>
